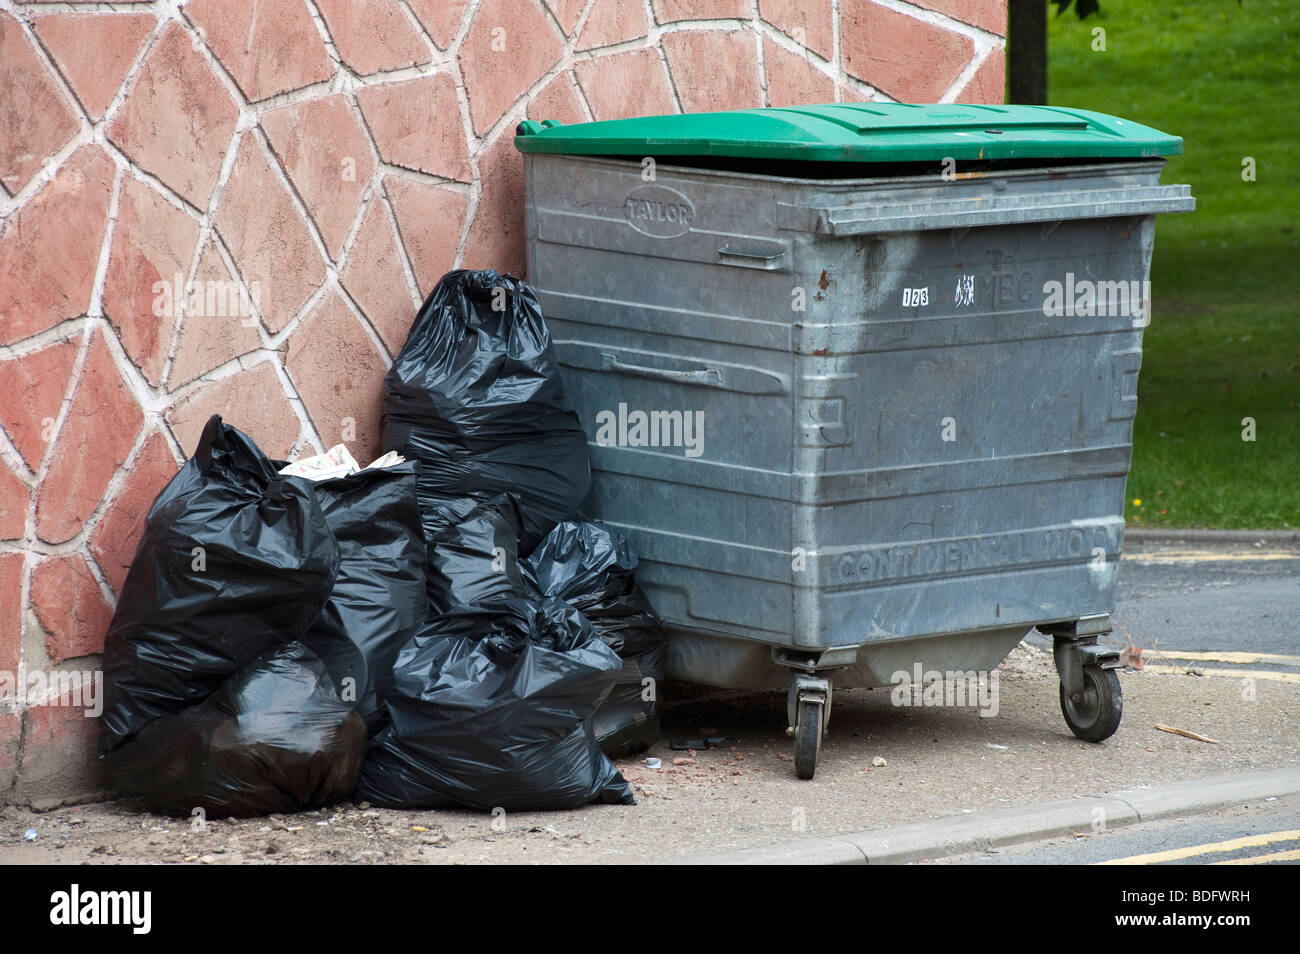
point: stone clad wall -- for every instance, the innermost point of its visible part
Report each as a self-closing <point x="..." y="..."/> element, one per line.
<point x="308" y="169"/>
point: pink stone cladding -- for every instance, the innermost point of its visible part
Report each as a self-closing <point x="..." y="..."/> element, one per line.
<point x="319" y="164"/>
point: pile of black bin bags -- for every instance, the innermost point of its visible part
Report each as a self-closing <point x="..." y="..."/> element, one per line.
<point x="436" y="633"/>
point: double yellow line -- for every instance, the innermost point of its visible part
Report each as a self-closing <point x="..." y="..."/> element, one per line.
<point x="1230" y="656"/>
<point x="1220" y="847"/>
<point x="1209" y="556"/>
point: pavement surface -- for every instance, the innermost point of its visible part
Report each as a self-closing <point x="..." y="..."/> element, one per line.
<point x="940" y="762"/>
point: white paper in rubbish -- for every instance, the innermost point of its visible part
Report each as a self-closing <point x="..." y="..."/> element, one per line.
<point x="391" y="459"/>
<point x="336" y="462"/>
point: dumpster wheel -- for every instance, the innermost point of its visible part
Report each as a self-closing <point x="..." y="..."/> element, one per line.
<point x="808" y="737"/>
<point x="1095" y="716"/>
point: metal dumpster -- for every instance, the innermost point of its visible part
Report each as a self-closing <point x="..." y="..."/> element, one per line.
<point x="859" y="380"/>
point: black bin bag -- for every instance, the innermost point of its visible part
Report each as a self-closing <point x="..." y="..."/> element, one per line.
<point x="276" y="737"/>
<point x="475" y="396"/>
<point x="488" y="709"/>
<point x="379" y="597"/>
<point x="592" y="568"/>
<point x="477" y="560"/>
<point x="235" y="561"/>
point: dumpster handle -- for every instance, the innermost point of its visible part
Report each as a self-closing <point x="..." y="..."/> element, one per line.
<point x="706" y="376"/>
<point x="737" y="378"/>
<point x="767" y="260"/>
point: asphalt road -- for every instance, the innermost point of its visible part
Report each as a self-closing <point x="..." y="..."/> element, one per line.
<point x="1206" y="599"/>
<point x="1263" y="833"/>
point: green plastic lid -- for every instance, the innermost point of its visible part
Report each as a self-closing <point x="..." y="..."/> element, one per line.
<point x="859" y="132"/>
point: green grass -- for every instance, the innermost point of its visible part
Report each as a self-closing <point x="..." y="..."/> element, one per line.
<point x="1224" y="342"/>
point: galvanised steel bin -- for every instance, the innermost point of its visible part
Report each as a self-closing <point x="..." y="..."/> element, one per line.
<point x="859" y="380"/>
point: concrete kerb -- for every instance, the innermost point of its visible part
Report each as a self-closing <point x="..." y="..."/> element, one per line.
<point x="942" y="837"/>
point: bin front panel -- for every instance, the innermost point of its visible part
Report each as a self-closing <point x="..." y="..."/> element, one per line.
<point x="901" y="437"/>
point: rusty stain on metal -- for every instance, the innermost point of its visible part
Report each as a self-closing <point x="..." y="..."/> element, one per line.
<point x="824" y="282"/>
